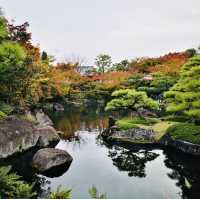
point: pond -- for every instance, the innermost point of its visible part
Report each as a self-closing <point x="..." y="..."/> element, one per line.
<point x="121" y="173"/>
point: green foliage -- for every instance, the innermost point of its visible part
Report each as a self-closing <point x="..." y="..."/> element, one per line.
<point x="186" y="132"/>
<point x="159" y="84"/>
<point x="6" y="108"/>
<point x="184" y="96"/>
<point x="103" y="62"/>
<point x="12" y="187"/>
<point x="60" y="194"/>
<point x="3" y="29"/>
<point x="13" y="72"/>
<point x="131" y="99"/>
<point x="94" y="194"/>
<point x="2" y="115"/>
<point x="121" y="66"/>
<point x="126" y="124"/>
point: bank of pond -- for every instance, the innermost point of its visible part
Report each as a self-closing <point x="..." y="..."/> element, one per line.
<point x="123" y="156"/>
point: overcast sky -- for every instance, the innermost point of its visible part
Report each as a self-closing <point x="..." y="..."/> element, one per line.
<point x="121" y="28"/>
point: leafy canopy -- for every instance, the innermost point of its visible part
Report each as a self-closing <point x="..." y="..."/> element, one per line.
<point x="103" y="62"/>
<point x="131" y="99"/>
<point x="184" y="96"/>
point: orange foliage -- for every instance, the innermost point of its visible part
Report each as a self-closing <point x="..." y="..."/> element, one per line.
<point x="169" y="64"/>
<point x="111" y="79"/>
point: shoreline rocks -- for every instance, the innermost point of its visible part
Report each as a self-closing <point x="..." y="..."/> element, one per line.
<point x="138" y="137"/>
<point x="181" y="145"/>
<point x="20" y="135"/>
<point x="48" y="160"/>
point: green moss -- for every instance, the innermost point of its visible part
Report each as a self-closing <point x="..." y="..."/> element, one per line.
<point x="186" y="132"/>
<point x="129" y="123"/>
<point x="125" y="124"/>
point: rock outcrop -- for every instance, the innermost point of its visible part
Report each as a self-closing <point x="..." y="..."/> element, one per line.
<point x="181" y="145"/>
<point x="47" y="160"/>
<point x="131" y="136"/>
<point x="58" y="107"/>
<point x="20" y="135"/>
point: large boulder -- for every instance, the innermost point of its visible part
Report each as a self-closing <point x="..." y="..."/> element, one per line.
<point x="51" y="162"/>
<point x="20" y="135"/>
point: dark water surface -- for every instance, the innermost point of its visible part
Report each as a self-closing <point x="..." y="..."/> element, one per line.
<point x="120" y="173"/>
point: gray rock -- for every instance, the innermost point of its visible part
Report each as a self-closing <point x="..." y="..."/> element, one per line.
<point x="181" y="145"/>
<point x="19" y="135"/>
<point x="46" y="159"/>
<point x="58" y="107"/>
<point x="43" y="119"/>
<point x="134" y="136"/>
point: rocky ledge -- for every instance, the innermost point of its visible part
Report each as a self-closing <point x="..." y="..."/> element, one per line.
<point x="20" y="135"/>
<point x="132" y="136"/>
<point x="181" y="145"/>
<point x="138" y="137"/>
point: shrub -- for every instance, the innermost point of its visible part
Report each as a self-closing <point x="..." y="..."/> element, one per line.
<point x="6" y="108"/>
<point x="2" y="115"/>
<point x="60" y="194"/>
<point x="12" y="187"/>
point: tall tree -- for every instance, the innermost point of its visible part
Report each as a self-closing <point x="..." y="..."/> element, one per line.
<point x="184" y="96"/>
<point x="103" y="62"/>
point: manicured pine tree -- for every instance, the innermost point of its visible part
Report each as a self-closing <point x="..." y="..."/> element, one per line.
<point x="184" y="96"/>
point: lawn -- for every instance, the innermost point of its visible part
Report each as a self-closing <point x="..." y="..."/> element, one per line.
<point x="186" y="132"/>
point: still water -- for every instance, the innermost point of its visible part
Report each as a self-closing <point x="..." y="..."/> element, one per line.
<point x="118" y="172"/>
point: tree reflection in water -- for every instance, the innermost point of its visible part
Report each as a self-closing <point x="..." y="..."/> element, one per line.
<point x="132" y="162"/>
<point x="80" y="119"/>
<point x="186" y="170"/>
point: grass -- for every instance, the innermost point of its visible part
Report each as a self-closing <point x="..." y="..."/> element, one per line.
<point x="129" y="123"/>
<point x="186" y="132"/>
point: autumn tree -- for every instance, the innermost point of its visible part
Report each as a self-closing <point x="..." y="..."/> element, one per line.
<point x="132" y="100"/>
<point x="103" y="62"/>
<point x="184" y="96"/>
<point x="121" y="66"/>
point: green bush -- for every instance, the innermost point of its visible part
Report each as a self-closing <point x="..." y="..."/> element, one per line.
<point x="12" y="187"/>
<point x="7" y="109"/>
<point x="186" y="132"/>
<point x="2" y="115"/>
<point x="60" y="194"/>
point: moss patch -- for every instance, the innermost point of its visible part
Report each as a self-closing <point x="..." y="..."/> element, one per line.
<point x="129" y="123"/>
<point x="186" y="132"/>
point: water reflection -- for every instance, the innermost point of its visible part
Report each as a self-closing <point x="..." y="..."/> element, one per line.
<point x="132" y="162"/>
<point x="80" y="119"/>
<point x="186" y="170"/>
<point x="120" y="172"/>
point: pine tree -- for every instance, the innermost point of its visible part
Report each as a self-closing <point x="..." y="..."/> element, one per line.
<point x="132" y="100"/>
<point x="184" y="96"/>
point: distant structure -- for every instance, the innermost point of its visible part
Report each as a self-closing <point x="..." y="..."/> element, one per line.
<point x="148" y="78"/>
<point x="85" y="70"/>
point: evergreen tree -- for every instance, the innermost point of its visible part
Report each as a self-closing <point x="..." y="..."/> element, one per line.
<point x="131" y="99"/>
<point x="184" y="96"/>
